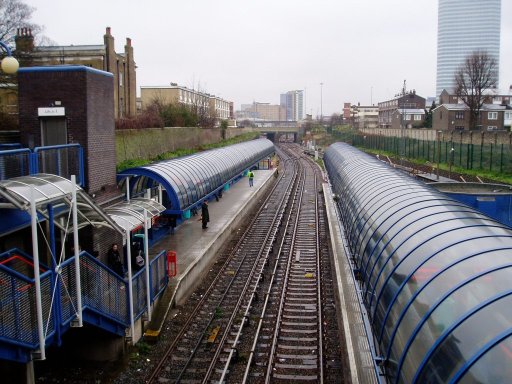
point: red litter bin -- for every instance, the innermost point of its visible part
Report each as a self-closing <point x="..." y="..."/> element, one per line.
<point x="172" y="269"/>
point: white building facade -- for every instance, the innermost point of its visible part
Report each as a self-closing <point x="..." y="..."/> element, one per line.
<point x="293" y="102"/>
<point x="465" y="26"/>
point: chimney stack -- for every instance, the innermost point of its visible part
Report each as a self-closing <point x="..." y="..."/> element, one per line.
<point x="24" y="40"/>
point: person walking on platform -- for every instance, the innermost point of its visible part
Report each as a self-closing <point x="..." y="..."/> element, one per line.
<point x="114" y="260"/>
<point x="251" y="178"/>
<point x="205" y="215"/>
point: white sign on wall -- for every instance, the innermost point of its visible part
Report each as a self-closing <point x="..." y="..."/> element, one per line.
<point x="51" y="111"/>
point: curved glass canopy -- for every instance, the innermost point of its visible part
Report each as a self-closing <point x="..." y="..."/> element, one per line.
<point x="435" y="274"/>
<point x="189" y="179"/>
<point x="46" y="189"/>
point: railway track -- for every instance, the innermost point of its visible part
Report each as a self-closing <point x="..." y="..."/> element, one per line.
<point x="262" y="318"/>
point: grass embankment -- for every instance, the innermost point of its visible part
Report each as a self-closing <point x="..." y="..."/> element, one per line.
<point x="494" y="176"/>
<point x="131" y="163"/>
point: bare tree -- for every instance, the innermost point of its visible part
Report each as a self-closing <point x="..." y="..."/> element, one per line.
<point x="478" y="74"/>
<point x="15" y="14"/>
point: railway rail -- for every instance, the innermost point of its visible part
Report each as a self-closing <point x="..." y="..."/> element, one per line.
<point x="262" y="319"/>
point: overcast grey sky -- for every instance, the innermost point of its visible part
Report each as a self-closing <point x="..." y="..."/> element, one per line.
<point x="245" y="51"/>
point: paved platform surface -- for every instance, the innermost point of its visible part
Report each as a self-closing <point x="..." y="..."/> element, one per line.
<point x="195" y="247"/>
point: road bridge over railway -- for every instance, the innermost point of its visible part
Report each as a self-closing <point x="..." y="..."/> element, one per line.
<point x="276" y="129"/>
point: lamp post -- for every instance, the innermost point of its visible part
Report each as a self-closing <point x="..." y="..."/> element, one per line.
<point x="438" y="152"/>
<point x="321" y="102"/>
<point x="9" y="64"/>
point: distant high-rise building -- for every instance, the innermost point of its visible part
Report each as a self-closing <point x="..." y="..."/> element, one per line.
<point x="465" y="26"/>
<point x="293" y="102"/>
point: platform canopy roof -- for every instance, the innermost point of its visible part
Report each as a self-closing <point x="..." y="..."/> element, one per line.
<point x="187" y="180"/>
<point x="56" y="191"/>
<point x="434" y="273"/>
<point x="130" y="215"/>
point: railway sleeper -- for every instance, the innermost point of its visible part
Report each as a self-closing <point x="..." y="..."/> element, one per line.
<point x="295" y="378"/>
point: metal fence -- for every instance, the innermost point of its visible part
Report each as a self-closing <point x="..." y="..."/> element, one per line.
<point x="103" y="292"/>
<point x="14" y="163"/>
<point x="18" y="315"/>
<point x="490" y="157"/>
<point x="62" y="160"/>
<point x="158" y="275"/>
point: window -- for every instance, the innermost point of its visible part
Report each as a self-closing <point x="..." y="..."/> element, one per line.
<point x="459" y="115"/>
<point x="508" y="115"/>
<point x="492" y="116"/>
<point x="408" y="117"/>
<point x="492" y="128"/>
<point x="417" y="117"/>
<point x="121" y="79"/>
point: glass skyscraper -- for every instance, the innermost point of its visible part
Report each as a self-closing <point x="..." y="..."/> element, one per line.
<point x="465" y="26"/>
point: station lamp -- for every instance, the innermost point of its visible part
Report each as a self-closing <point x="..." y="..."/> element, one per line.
<point x="9" y="63"/>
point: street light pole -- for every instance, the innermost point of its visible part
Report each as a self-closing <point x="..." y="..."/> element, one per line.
<point x="321" y="102"/>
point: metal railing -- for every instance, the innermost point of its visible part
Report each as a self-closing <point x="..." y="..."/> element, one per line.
<point x="103" y="292"/>
<point x="62" y="160"/>
<point x="492" y="157"/>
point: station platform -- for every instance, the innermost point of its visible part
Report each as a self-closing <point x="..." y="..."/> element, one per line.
<point x="196" y="247"/>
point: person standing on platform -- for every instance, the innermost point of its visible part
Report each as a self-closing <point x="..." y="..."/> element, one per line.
<point x="251" y="178"/>
<point x="205" y="215"/>
<point x="114" y="260"/>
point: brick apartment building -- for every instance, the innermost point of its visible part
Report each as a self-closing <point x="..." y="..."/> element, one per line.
<point x="407" y="103"/>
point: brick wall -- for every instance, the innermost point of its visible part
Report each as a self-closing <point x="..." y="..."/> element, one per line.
<point x="100" y="150"/>
<point x="88" y="98"/>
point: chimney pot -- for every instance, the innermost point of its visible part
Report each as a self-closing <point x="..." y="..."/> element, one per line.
<point x="108" y="31"/>
<point x="128" y="42"/>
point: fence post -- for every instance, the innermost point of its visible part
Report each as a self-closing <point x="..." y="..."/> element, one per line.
<point x="490" y="161"/>
<point x="501" y="159"/>
<point x="481" y="150"/>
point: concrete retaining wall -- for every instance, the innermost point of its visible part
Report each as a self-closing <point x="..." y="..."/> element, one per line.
<point x="151" y="142"/>
<point x="466" y="137"/>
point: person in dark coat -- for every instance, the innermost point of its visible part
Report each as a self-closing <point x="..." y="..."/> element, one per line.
<point x="205" y="215"/>
<point x="114" y="260"/>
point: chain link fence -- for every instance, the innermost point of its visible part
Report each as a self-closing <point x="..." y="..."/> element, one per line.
<point x="485" y="156"/>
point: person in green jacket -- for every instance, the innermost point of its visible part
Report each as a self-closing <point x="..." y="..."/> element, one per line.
<point x="251" y="178"/>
